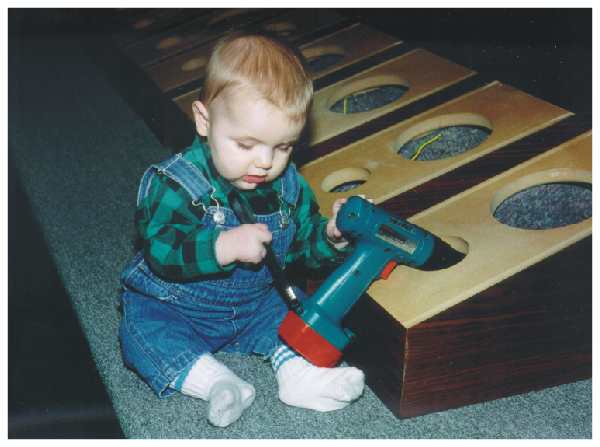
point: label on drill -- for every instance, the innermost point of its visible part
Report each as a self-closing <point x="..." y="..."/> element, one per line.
<point x="392" y="237"/>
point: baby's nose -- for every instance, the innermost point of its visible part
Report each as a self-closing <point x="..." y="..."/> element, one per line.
<point x="264" y="158"/>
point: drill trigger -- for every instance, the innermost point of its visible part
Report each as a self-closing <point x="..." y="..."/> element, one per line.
<point x="387" y="270"/>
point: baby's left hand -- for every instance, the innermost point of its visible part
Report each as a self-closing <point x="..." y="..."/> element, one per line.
<point x="333" y="233"/>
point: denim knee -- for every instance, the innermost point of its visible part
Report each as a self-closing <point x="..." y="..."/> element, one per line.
<point x="156" y="342"/>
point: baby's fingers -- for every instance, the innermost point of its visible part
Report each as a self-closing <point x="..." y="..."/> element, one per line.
<point x="263" y="234"/>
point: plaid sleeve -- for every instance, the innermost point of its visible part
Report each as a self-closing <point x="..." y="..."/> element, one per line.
<point x="176" y="245"/>
<point x="311" y="246"/>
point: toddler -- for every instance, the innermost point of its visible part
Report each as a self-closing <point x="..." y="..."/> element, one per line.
<point x="199" y="285"/>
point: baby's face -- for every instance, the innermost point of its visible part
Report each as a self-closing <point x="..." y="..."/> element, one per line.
<point x="251" y="140"/>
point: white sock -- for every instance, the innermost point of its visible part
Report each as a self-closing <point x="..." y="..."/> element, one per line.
<point x="227" y="395"/>
<point x="302" y="384"/>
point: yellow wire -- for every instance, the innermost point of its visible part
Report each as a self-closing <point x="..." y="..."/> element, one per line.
<point x="422" y="146"/>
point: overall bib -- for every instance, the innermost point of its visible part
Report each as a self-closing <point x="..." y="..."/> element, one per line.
<point x="167" y="325"/>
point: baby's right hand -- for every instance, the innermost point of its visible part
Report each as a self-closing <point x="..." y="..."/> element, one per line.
<point x="245" y="243"/>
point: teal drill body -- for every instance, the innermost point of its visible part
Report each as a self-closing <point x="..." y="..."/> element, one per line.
<point x="380" y="241"/>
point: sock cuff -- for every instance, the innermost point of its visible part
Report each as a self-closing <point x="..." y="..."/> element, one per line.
<point x="197" y="379"/>
<point x="280" y="356"/>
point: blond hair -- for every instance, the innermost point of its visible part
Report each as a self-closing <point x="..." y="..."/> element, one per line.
<point x="263" y="63"/>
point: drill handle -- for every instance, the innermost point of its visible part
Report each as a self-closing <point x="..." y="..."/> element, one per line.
<point x="338" y="293"/>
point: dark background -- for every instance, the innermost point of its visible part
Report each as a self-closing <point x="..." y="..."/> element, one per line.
<point x="54" y="390"/>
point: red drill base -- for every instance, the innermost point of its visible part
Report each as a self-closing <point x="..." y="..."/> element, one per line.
<point x="307" y="342"/>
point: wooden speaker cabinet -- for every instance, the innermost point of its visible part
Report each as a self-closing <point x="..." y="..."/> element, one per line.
<point x="515" y="314"/>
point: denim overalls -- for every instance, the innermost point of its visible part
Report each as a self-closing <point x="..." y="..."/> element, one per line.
<point x="167" y="325"/>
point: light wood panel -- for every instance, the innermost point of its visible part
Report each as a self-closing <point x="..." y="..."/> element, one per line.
<point x="495" y="251"/>
<point x="147" y="23"/>
<point x="197" y="32"/>
<point x="191" y="65"/>
<point x="420" y="70"/>
<point x="508" y="112"/>
<point x="353" y="43"/>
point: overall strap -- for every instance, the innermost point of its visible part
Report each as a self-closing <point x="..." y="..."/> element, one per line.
<point x="290" y="186"/>
<point x="181" y="171"/>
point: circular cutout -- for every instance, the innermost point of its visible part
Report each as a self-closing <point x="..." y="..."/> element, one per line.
<point x="284" y="29"/>
<point x="169" y="42"/>
<point x="368" y="99"/>
<point x="416" y="140"/>
<point x="444" y="142"/>
<point x="457" y="243"/>
<point x="546" y="206"/>
<point x="194" y="64"/>
<point x="448" y="251"/>
<point x="345" y="179"/>
<point x="324" y="61"/>
<point x="143" y="23"/>
<point x="324" y="56"/>
<point x="226" y="16"/>
<point x="348" y="186"/>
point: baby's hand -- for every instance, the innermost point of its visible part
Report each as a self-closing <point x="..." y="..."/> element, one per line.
<point x="245" y="243"/>
<point x="333" y="233"/>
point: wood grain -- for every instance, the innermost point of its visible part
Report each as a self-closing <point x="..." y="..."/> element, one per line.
<point x="532" y="331"/>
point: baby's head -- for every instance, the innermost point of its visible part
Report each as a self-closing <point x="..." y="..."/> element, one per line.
<point x="252" y="108"/>
<point x="257" y="62"/>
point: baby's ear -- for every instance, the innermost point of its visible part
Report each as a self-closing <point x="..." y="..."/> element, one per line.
<point x="200" y="117"/>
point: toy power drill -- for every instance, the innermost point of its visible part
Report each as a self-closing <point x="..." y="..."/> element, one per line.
<point x="381" y="241"/>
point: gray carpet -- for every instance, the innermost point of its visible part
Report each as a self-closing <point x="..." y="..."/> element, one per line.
<point x="79" y="151"/>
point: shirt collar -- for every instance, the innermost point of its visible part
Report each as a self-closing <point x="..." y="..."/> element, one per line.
<point x="204" y="158"/>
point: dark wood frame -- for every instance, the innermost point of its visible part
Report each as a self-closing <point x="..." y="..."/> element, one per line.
<point x="530" y="331"/>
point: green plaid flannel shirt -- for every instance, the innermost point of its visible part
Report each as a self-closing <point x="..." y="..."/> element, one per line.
<point x="178" y="247"/>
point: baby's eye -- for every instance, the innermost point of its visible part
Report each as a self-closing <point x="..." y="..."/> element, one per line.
<point x="244" y="146"/>
<point x="285" y="147"/>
